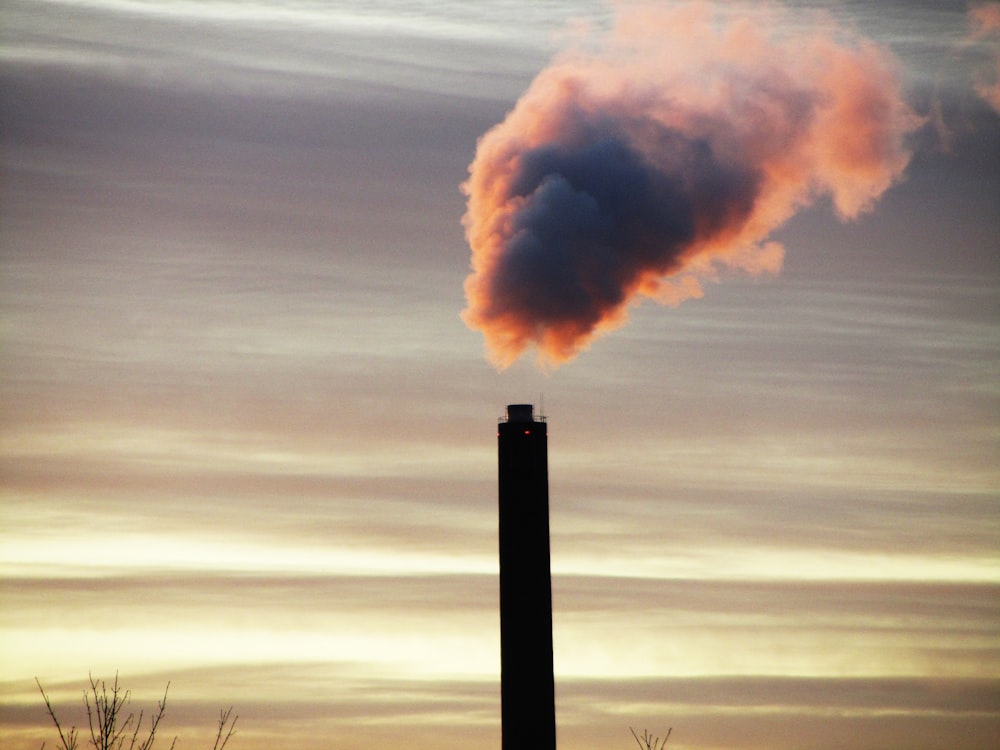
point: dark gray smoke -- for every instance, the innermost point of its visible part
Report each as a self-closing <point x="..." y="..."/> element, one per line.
<point x="674" y="150"/>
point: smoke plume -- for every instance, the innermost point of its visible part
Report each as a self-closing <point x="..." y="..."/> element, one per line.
<point x="640" y="164"/>
<point x="984" y="20"/>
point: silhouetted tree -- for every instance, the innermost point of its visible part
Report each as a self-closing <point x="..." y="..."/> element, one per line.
<point x="648" y="741"/>
<point x="109" y="724"/>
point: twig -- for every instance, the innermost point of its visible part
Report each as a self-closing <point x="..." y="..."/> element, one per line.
<point x="68" y="740"/>
<point x="109" y="732"/>
<point x="648" y="741"/>
<point x="223" y="719"/>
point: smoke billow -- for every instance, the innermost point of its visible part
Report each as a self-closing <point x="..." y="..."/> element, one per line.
<point x="984" y="19"/>
<point x="640" y="164"/>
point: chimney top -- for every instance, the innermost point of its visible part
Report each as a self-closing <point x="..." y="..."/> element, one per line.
<point x="520" y="413"/>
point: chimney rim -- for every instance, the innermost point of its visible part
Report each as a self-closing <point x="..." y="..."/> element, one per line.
<point x="521" y="413"/>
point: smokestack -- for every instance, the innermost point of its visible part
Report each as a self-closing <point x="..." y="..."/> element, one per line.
<point x="527" y="684"/>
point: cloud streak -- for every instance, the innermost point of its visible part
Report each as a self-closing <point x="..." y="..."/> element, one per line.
<point x="640" y="164"/>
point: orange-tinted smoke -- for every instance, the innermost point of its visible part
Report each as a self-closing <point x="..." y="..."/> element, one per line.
<point x="984" y="20"/>
<point x="640" y="164"/>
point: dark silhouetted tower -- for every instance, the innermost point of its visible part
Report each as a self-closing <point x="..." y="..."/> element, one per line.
<point x="527" y="685"/>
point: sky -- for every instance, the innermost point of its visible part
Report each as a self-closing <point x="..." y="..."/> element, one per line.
<point x="253" y="354"/>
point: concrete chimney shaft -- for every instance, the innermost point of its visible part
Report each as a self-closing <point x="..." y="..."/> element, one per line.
<point x="528" y="720"/>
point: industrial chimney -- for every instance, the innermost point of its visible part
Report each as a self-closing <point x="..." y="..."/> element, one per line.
<point x="527" y="684"/>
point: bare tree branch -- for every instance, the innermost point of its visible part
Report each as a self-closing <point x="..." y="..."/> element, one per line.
<point x="154" y="722"/>
<point x="648" y="741"/>
<point x="223" y="720"/>
<point x="67" y="740"/>
<point x="107" y="727"/>
<point x="110" y="728"/>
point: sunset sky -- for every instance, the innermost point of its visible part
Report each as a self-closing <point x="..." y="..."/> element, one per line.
<point x="247" y="438"/>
